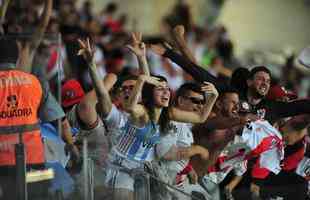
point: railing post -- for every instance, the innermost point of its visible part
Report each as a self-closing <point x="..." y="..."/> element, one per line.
<point x="85" y="168"/>
<point x="142" y="186"/>
<point x="21" y="169"/>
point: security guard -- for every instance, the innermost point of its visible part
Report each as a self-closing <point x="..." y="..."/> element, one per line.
<point x="21" y="96"/>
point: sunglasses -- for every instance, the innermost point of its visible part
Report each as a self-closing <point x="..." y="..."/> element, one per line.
<point x="195" y="100"/>
<point x="127" y="87"/>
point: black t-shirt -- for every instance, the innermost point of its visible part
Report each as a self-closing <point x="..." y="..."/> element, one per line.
<point x="272" y="111"/>
<point x="269" y="110"/>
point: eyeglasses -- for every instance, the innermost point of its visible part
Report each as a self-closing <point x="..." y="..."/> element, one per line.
<point x="195" y="100"/>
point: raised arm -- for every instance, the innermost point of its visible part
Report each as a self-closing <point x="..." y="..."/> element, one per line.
<point x="3" y="9"/>
<point x="221" y="122"/>
<point x="139" y="49"/>
<point x="289" y="109"/>
<point x="211" y="95"/>
<point x="28" y="49"/>
<point x="137" y="111"/>
<point x="44" y="20"/>
<point x="67" y="137"/>
<point x="99" y="99"/>
<point x="87" y="109"/>
<point x="178" y="36"/>
<point x="198" y="73"/>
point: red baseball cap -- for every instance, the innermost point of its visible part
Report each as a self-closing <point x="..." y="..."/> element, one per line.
<point x="71" y="93"/>
<point x="277" y="92"/>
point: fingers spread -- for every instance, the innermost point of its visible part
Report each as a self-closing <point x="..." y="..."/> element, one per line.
<point x="134" y="38"/>
<point x="81" y="43"/>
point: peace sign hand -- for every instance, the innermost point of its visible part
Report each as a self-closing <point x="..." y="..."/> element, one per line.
<point x="137" y="46"/>
<point x="87" y="50"/>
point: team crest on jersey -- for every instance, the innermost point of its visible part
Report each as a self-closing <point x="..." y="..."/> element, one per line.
<point x="274" y="143"/>
<point x="261" y="113"/>
<point x="245" y="106"/>
<point x="69" y="94"/>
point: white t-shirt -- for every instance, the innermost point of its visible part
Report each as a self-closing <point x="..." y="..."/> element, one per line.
<point x="180" y="136"/>
<point x="115" y="120"/>
<point x="98" y="143"/>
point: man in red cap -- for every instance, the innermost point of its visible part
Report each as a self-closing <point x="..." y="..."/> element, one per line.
<point x="72" y="93"/>
<point x="81" y="111"/>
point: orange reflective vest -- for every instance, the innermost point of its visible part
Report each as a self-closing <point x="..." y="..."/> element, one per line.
<point x="20" y="95"/>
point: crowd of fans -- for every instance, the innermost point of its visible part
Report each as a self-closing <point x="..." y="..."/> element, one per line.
<point x="178" y="106"/>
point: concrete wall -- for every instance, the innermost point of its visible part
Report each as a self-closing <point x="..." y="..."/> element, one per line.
<point x="150" y="12"/>
<point x="262" y="24"/>
<point x="267" y="24"/>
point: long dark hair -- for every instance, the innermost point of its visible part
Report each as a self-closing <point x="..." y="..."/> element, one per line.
<point x="239" y="79"/>
<point x="148" y="102"/>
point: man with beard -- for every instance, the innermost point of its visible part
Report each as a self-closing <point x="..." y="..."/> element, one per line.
<point x="258" y="86"/>
<point x="219" y="131"/>
<point x="253" y="99"/>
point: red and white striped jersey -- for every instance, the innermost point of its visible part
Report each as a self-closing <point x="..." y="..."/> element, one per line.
<point x="231" y="158"/>
<point x="266" y="143"/>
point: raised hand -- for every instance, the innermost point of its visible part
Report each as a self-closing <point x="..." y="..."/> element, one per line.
<point x="179" y="30"/>
<point x="152" y="80"/>
<point x="87" y="51"/>
<point x="137" y="46"/>
<point x="209" y="88"/>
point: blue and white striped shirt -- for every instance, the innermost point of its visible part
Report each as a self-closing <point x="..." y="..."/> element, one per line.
<point x="138" y="143"/>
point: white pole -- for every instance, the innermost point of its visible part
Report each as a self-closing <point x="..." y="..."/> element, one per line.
<point x="58" y="85"/>
<point x="85" y="168"/>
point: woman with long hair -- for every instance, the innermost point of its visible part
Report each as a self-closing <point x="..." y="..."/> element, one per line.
<point x="150" y="116"/>
<point x="150" y="113"/>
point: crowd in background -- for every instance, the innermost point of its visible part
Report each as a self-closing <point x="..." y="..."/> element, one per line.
<point x="211" y="45"/>
<point x="69" y="70"/>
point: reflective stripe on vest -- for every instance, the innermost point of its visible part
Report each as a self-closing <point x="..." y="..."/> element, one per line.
<point x="19" y="128"/>
<point x="20" y="95"/>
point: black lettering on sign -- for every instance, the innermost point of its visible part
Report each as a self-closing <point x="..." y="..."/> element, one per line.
<point x="25" y="112"/>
